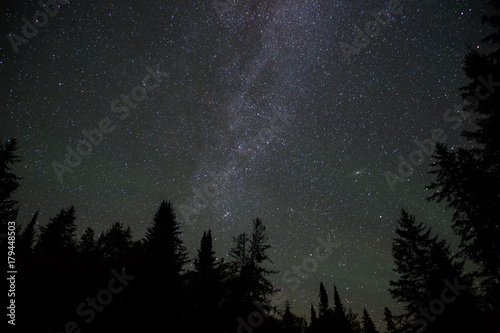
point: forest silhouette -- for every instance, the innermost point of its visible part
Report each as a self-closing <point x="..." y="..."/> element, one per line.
<point x="111" y="283"/>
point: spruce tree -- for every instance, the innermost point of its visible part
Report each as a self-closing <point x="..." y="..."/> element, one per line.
<point x="425" y="268"/>
<point x="114" y="246"/>
<point x="389" y="320"/>
<point x="259" y="245"/>
<point x="368" y="325"/>
<point x="325" y="315"/>
<point x="354" y="324"/>
<point x="87" y="243"/>
<point x="205" y="262"/>
<point x="340" y="321"/>
<point x="313" y="327"/>
<point x="291" y="323"/>
<point x="323" y="301"/>
<point x="207" y="288"/>
<point x="164" y="248"/>
<point x="468" y="178"/>
<point x="161" y="268"/>
<point x="26" y="239"/>
<point x="57" y="238"/>
<point x="249" y="272"/>
<point x="8" y="183"/>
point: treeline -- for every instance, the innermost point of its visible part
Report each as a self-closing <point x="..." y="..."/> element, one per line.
<point x="108" y="282"/>
<point x="112" y="283"/>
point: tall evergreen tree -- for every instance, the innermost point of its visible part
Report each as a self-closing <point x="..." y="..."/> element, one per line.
<point x="313" y="327"/>
<point x="389" y="320"/>
<point x="340" y="321"/>
<point x="250" y="275"/>
<point x="259" y="245"/>
<point x="206" y="261"/>
<point x="354" y="324"/>
<point x="468" y="178"/>
<point x="291" y="323"/>
<point x="26" y="239"/>
<point x="240" y="278"/>
<point x="26" y="268"/>
<point x="325" y="315"/>
<point x="368" y="325"/>
<point x="8" y="183"/>
<point x="114" y="246"/>
<point x="163" y="244"/>
<point x="425" y="268"/>
<point x="323" y="301"/>
<point x="161" y="268"/>
<point x="207" y="288"/>
<point x="57" y="239"/>
<point x="87" y="243"/>
<point x="56" y="268"/>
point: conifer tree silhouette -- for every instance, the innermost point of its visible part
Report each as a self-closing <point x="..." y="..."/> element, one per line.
<point x="368" y="325"/>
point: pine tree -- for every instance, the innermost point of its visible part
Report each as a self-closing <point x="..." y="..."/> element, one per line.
<point x="368" y="325"/>
<point x="259" y="244"/>
<point x="90" y="260"/>
<point x="87" y="243"/>
<point x="389" y="320"/>
<point x="161" y="268"/>
<point x="468" y="178"/>
<point x="205" y="263"/>
<point x="26" y="239"/>
<point x="26" y="266"/>
<point x="340" y="321"/>
<point x="8" y="183"/>
<point x="114" y="245"/>
<point x="313" y="327"/>
<point x="291" y="323"/>
<point x="57" y="239"/>
<point x="354" y="324"/>
<point x="249" y="274"/>
<point x="323" y="301"/>
<point x="424" y="264"/>
<point x="239" y="253"/>
<point x="56" y="268"/>
<point x="207" y="288"/>
<point x="240" y="278"/>
<point x="325" y="315"/>
<point x="164" y="248"/>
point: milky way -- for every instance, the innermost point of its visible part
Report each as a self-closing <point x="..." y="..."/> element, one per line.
<point x="259" y="109"/>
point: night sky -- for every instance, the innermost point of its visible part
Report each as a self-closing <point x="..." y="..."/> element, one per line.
<point x="232" y="112"/>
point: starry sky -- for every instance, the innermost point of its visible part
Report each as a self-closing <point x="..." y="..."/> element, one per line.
<point x="286" y="110"/>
